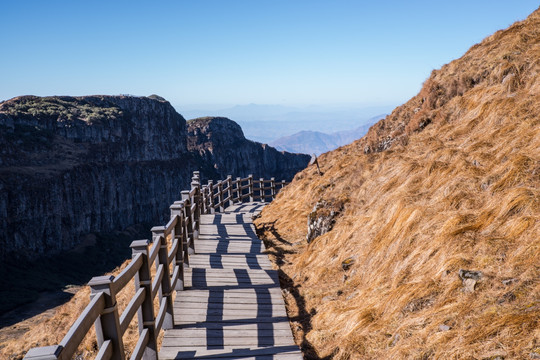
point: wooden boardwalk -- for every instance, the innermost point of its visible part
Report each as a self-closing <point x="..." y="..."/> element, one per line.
<point x="232" y="307"/>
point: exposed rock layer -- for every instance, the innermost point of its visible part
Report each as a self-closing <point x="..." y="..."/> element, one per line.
<point x="74" y="165"/>
<point x="221" y="143"/>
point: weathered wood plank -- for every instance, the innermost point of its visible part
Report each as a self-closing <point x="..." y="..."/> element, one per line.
<point x="238" y="300"/>
<point x="213" y="325"/>
<point x="234" y="312"/>
<point x="228" y="352"/>
<point x="227" y="306"/>
<point x="226" y="332"/>
<point x="231" y="318"/>
<point x="226" y="341"/>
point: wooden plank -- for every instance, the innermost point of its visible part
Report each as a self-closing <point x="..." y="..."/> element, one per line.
<point x="226" y="341"/>
<point x="218" y="325"/>
<point x="187" y="296"/>
<point x="243" y="257"/>
<point x="227" y="352"/>
<point x="226" y="332"/>
<point x="224" y="264"/>
<point x="282" y="356"/>
<point x="238" y="300"/>
<point x="197" y="292"/>
<point x="247" y="274"/>
<point x="229" y="259"/>
<point x="192" y="318"/>
<point x="223" y="311"/>
<point x="232" y="306"/>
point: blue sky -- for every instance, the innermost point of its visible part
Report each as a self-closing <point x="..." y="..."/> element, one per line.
<point x="238" y="52"/>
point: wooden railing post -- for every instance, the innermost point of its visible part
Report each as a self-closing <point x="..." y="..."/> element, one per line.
<point x="177" y="209"/>
<point x="282" y="185"/>
<point x="220" y="196"/>
<point x="146" y="317"/>
<point x="230" y="190"/>
<point x="211" y="196"/>
<point x="273" y="188"/>
<point x="165" y="290"/>
<point x="204" y="189"/>
<point x="196" y="200"/>
<point x="261" y="188"/>
<point x="108" y="323"/>
<point x="189" y="223"/>
<point x="250" y="188"/>
<point x="238" y="189"/>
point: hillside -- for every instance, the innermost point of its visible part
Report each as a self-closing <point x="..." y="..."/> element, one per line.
<point x="434" y="246"/>
<point x="316" y="142"/>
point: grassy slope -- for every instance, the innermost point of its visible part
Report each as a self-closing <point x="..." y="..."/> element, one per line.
<point x="50" y="330"/>
<point x="459" y="188"/>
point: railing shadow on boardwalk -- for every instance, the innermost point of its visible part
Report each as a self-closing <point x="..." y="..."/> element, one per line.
<point x="215" y="337"/>
<point x="168" y="251"/>
<point x="304" y="316"/>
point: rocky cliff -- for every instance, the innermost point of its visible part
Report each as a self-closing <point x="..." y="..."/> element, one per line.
<point x="75" y="165"/>
<point x="222" y="145"/>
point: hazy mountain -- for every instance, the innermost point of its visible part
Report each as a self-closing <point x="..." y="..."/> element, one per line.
<point x="316" y="142"/>
<point x="266" y="123"/>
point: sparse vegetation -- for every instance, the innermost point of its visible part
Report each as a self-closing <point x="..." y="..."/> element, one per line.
<point x="55" y="273"/>
<point x="62" y="109"/>
<point x="457" y="188"/>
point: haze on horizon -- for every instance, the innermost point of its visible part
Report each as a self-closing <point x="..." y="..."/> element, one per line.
<point x="199" y="53"/>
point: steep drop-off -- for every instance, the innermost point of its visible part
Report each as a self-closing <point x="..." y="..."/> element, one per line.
<point x="434" y="240"/>
<point x="76" y="165"/>
<point x="221" y="143"/>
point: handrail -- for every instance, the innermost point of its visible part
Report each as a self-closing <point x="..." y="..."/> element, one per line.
<point x="157" y="281"/>
<point x="131" y="309"/>
<point x="82" y="325"/>
<point x="170" y="246"/>
<point x="105" y="352"/>
<point x="128" y="273"/>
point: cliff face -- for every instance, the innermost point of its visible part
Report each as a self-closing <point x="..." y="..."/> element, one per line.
<point x="71" y="166"/>
<point x="75" y="165"/>
<point x="222" y="145"/>
<point x="39" y="131"/>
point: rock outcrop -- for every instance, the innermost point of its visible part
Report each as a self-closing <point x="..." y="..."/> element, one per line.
<point x="76" y="165"/>
<point x="221" y="144"/>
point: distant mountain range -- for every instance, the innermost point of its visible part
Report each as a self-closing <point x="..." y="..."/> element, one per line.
<point x="316" y="142"/>
<point x="267" y="123"/>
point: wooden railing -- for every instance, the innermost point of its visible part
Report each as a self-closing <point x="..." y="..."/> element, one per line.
<point x="168" y="251"/>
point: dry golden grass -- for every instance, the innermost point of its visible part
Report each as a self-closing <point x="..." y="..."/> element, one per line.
<point x="52" y="330"/>
<point x="458" y="189"/>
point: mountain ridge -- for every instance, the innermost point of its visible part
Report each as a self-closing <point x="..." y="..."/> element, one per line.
<point x="316" y="142"/>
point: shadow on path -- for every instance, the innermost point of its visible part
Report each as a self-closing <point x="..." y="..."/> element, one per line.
<point x="304" y="316"/>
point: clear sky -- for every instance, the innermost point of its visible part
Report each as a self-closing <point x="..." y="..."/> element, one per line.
<point x="238" y="52"/>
